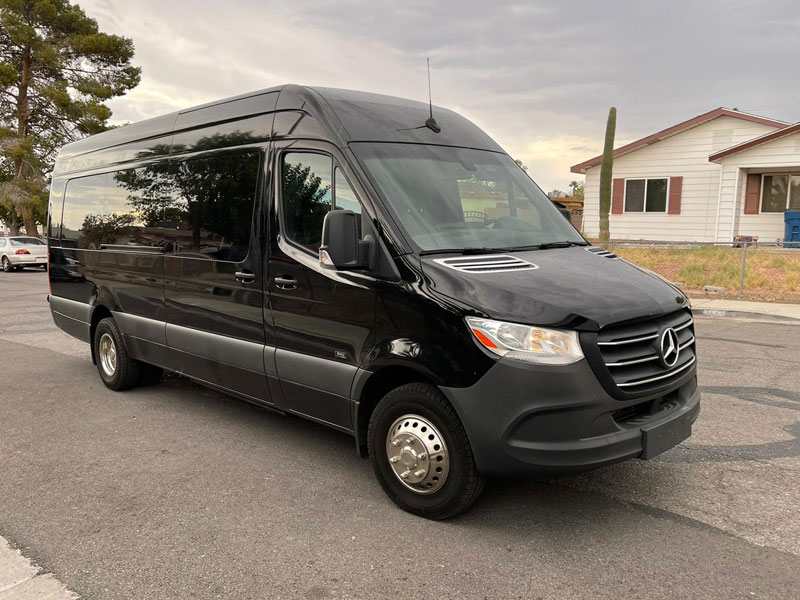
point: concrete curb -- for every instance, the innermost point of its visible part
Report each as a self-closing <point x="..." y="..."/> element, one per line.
<point x="21" y="580"/>
<point x="739" y="314"/>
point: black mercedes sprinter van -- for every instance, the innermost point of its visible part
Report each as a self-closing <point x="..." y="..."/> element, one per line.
<point x="346" y="257"/>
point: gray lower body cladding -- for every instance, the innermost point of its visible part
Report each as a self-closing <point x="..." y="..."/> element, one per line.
<point x="71" y="316"/>
<point x="526" y="419"/>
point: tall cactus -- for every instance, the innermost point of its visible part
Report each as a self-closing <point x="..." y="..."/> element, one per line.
<point x="606" y="173"/>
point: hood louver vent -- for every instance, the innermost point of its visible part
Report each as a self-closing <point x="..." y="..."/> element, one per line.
<point x="491" y="263"/>
<point x="602" y="252"/>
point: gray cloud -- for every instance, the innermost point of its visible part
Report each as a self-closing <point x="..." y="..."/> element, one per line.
<point x="539" y="76"/>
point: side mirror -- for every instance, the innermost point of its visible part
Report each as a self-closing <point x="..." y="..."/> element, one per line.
<point x="566" y="213"/>
<point x="341" y="248"/>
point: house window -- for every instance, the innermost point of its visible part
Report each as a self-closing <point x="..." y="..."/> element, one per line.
<point x="646" y="195"/>
<point x="780" y="193"/>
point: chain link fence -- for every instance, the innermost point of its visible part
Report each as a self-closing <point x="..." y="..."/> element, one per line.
<point x="743" y="270"/>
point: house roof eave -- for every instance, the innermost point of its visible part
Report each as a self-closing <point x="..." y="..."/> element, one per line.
<point x="581" y="168"/>
<point x="752" y="143"/>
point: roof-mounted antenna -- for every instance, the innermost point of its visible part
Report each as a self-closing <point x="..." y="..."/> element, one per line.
<point x="431" y="122"/>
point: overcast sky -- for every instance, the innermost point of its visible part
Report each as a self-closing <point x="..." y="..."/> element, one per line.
<point x="537" y="76"/>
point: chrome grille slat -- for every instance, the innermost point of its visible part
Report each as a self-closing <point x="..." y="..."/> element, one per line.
<point x="625" y="363"/>
<point x="659" y="377"/>
<point x="630" y="341"/>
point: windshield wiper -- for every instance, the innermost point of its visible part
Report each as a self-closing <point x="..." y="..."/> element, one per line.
<point x="476" y="250"/>
<point x="564" y="244"/>
<point x="468" y="250"/>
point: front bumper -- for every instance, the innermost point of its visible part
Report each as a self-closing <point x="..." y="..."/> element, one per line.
<point x="523" y="419"/>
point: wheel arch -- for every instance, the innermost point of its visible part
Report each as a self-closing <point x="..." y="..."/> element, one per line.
<point x="369" y="387"/>
<point x="99" y="312"/>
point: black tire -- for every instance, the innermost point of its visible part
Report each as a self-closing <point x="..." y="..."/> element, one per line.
<point x="126" y="373"/>
<point x="7" y="265"/>
<point x="463" y="484"/>
<point x="149" y="374"/>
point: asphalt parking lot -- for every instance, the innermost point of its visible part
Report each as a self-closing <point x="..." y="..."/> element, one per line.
<point x="174" y="491"/>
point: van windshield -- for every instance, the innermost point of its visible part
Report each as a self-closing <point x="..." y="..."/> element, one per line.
<point x="449" y="198"/>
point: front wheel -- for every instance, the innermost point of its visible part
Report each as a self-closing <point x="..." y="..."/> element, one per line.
<point x="420" y="453"/>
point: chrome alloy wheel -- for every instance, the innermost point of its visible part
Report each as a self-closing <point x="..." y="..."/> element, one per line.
<point x="417" y="454"/>
<point x="108" y="355"/>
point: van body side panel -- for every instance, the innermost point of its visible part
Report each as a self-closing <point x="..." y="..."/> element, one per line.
<point x="129" y="284"/>
<point x="425" y="331"/>
<point x="106" y="255"/>
<point x="324" y="323"/>
<point x="215" y="321"/>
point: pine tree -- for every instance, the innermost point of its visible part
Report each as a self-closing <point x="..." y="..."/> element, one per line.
<point x="57" y="70"/>
<point x="606" y="174"/>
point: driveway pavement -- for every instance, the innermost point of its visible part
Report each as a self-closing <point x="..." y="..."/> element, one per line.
<point x="174" y="491"/>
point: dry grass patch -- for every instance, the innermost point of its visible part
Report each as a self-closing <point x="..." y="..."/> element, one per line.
<point x="768" y="270"/>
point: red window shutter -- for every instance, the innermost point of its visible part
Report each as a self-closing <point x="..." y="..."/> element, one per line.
<point x="617" y="195"/>
<point x="752" y="194"/>
<point x="675" y="189"/>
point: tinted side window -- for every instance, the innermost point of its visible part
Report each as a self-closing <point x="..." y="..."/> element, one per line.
<point x="209" y="210"/>
<point x="83" y="211"/>
<point x="115" y="209"/>
<point x="54" y="210"/>
<point x="138" y="198"/>
<point x="306" y="192"/>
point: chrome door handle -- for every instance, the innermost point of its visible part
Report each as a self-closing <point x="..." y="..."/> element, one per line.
<point x="245" y="276"/>
<point x="286" y="282"/>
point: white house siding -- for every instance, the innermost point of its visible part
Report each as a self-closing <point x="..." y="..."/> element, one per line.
<point x="780" y="155"/>
<point x="683" y="154"/>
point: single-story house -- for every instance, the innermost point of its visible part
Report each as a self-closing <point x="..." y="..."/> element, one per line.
<point x="718" y="176"/>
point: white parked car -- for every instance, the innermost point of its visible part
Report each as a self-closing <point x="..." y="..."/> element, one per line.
<point x="20" y="251"/>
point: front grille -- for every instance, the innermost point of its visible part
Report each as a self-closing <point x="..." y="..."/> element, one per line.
<point x="631" y="353"/>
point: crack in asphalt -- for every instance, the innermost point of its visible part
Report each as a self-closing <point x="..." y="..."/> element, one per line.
<point x="756" y="394"/>
<point x="742" y="452"/>
<point x="747" y="342"/>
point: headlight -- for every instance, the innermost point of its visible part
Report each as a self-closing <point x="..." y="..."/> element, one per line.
<point x="526" y="343"/>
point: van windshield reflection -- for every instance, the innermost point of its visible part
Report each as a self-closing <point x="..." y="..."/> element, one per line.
<point x="447" y="199"/>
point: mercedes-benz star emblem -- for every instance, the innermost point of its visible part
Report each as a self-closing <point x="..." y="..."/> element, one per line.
<point x="669" y="348"/>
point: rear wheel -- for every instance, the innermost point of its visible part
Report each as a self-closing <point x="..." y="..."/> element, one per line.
<point x="420" y="453"/>
<point x="7" y="265"/>
<point x="117" y="369"/>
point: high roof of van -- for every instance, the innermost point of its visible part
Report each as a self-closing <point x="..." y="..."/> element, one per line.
<point x="344" y="116"/>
